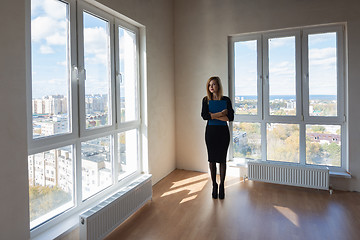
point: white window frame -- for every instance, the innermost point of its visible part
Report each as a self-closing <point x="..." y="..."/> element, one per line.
<point x="247" y="37"/>
<point x="302" y="117"/>
<point x="78" y="133"/>
<point x="81" y="8"/>
<point x="135" y="30"/>
<point x="281" y="118"/>
<point x="35" y="145"/>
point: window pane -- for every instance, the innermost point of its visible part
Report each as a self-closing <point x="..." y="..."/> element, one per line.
<point x="96" y="166"/>
<point x="50" y="184"/>
<point x="283" y="142"/>
<point x="98" y="68"/>
<point x="323" y="145"/>
<point x="128" y="77"/>
<point x="128" y="153"/>
<point x="50" y="68"/>
<point x="246" y="77"/>
<point x="247" y="140"/>
<point x="282" y="76"/>
<point x="322" y="75"/>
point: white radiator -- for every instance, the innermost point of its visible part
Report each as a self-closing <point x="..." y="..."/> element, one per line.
<point x="100" y="220"/>
<point x="301" y="176"/>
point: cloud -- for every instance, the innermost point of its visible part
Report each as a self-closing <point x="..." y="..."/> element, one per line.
<point x="282" y="68"/>
<point x="63" y="63"/>
<point x="49" y="24"/>
<point x="96" y="45"/>
<point x="323" y="56"/>
<point x="248" y="44"/>
<point x="279" y="42"/>
<point x="53" y="32"/>
<point x="323" y="39"/>
<point x="44" y="49"/>
<point x="54" y="8"/>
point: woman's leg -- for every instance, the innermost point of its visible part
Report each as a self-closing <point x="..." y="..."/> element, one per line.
<point x="222" y="180"/>
<point x="212" y="166"/>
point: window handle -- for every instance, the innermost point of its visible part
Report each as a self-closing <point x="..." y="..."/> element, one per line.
<point x="119" y="78"/>
<point x="306" y="77"/>
<point x="75" y="73"/>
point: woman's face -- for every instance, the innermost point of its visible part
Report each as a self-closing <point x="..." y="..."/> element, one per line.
<point x="213" y="87"/>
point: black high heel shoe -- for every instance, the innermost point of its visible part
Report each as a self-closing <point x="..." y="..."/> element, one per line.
<point x="221" y="191"/>
<point x="215" y="191"/>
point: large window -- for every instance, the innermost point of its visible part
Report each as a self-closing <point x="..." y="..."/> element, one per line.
<point x="288" y="93"/>
<point x="84" y="140"/>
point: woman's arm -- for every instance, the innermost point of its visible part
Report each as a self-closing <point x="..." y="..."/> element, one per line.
<point x="216" y="115"/>
<point x="230" y="113"/>
<point x="205" y="110"/>
<point x="224" y="118"/>
<point x="206" y="115"/>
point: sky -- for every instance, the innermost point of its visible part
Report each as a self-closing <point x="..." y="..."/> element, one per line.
<point x="49" y="28"/>
<point x="322" y="65"/>
<point x="50" y="50"/>
<point x="50" y="59"/>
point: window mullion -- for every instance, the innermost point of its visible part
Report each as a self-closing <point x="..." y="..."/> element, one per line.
<point x="302" y="143"/>
<point x="266" y="98"/>
<point x="78" y="173"/>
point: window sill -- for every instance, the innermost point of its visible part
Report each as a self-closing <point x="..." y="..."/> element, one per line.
<point x="340" y="174"/>
<point x="60" y="229"/>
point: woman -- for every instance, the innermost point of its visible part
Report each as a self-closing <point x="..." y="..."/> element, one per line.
<point x="217" y="110"/>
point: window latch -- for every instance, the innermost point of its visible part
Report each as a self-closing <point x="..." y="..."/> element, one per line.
<point x="119" y="78"/>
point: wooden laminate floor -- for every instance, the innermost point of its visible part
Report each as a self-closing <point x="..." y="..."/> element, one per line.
<point x="182" y="208"/>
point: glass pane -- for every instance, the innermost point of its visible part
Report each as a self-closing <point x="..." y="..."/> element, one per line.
<point x="96" y="166"/>
<point x="323" y="145"/>
<point x="247" y="140"/>
<point x="128" y="77"/>
<point x="50" y="68"/>
<point x="282" y="76"/>
<point x="246" y="77"/>
<point x="322" y="74"/>
<point x="98" y="67"/>
<point x="128" y="153"/>
<point x="50" y="184"/>
<point x="283" y="142"/>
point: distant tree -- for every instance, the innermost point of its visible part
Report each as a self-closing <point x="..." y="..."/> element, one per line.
<point x="333" y="150"/>
<point x="43" y="199"/>
<point x="283" y="143"/>
<point x="318" y="129"/>
<point x="314" y="152"/>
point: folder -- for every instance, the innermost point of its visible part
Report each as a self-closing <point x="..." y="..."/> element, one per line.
<point x="214" y="107"/>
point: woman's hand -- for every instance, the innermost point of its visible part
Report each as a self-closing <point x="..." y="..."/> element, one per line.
<point x="220" y="115"/>
<point x="224" y="112"/>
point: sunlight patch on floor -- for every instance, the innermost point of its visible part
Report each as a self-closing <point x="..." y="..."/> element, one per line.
<point x="233" y="183"/>
<point x="189" y="180"/>
<point x="289" y="214"/>
<point x="188" y="199"/>
<point x="190" y="187"/>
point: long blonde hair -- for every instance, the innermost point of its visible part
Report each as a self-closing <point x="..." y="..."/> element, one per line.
<point x="220" y="90"/>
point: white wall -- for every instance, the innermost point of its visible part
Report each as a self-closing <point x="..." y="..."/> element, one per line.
<point x="14" y="208"/>
<point x="201" y="50"/>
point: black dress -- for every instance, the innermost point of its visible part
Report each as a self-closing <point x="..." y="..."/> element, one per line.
<point x="217" y="137"/>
